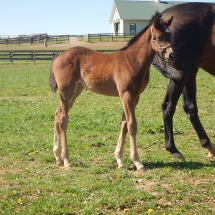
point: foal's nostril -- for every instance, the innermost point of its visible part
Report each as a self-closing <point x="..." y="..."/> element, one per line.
<point x="172" y="56"/>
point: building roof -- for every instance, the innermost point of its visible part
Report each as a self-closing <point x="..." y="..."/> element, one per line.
<point x="138" y="10"/>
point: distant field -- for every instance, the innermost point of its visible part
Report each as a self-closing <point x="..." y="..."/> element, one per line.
<point x="64" y="46"/>
<point x="30" y="183"/>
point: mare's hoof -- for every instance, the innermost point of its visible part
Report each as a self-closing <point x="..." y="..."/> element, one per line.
<point x="210" y="155"/>
<point x="178" y="156"/>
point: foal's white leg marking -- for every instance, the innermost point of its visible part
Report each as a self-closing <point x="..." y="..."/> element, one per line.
<point x="129" y="105"/>
<point x="64" y="147"/>
<point x="120" y="144"/>
<point x="134" y="154"/>
<point x="57" y="148"/>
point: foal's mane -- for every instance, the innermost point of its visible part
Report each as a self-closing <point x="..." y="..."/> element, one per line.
<point x="136" y="37"/>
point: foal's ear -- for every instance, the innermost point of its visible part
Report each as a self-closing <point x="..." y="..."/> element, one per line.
<point x="157" y="21"/>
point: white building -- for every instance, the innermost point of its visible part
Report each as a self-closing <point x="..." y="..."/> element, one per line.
<point x="131" y="17"/>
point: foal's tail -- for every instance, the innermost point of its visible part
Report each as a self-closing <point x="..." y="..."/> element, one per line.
<point x="52" y="81"/>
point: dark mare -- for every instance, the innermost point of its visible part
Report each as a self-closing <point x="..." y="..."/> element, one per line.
<point x="124" y="74"/>
<point x="193" y="41"/>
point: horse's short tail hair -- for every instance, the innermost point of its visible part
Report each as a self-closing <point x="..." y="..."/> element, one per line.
<point x="52" y="81"/>
<point x="166" y="69"/>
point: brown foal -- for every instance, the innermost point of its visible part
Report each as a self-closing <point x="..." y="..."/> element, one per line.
<point x="124" y="73"/>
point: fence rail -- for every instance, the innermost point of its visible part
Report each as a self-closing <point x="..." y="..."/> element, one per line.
<point x="28" y="55"/>
<point x="109" y="37"/>
<point x="31" y="39"/>
<point x="6" y="40"/>
<point x="33" y="55"/>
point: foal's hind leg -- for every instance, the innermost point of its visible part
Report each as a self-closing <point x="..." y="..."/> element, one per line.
<point x="121" y="141"/>
<point x="57" y="139"/>
<point x="60" y="126"/>
<point x="190" y="108"/>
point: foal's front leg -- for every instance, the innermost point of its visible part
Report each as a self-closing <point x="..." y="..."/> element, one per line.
<point x="129" y="103"/>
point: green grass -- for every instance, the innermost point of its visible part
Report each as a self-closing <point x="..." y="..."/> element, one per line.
<point x="30" y="183"/>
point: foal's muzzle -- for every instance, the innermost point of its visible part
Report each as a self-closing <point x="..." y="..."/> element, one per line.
<point x="168" y="55"/>
<point x="172" y="56"/>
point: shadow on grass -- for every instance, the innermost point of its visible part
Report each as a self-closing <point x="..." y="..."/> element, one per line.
<point x="178" y="165"/>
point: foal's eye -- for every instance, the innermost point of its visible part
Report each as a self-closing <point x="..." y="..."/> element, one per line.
<point x="159" y="37"/>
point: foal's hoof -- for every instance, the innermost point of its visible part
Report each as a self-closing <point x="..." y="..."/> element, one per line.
<point x="60" y="163"/>
<point x="210" y="155"/>
<point x="121" y="167"/>
<point x="140" y="171"/>
<point x="67" y="167"/>
<point x="178" y="156"/>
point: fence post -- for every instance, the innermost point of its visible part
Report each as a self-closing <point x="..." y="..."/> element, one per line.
<point x="32" y="40"/>
<point x="112" y="36"/>
<point x="34" y="56"/>
<point x="45" y="42"/>
<point x="100" y="37"/>
<point x="6" y="42"/>
<point x="11" y="57"/>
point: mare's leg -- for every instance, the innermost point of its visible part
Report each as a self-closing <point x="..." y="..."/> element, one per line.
<point x="169" y="104"/>
<point x="60" y="126"/>
<point x="191" y="109"/>
<point x="129" y="102"/>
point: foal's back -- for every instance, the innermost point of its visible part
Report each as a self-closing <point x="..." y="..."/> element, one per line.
<point x="106" y="74"/>
<point x="86" y="66"/>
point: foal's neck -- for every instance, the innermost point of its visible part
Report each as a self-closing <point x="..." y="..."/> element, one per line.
<point x="141" y="50"/>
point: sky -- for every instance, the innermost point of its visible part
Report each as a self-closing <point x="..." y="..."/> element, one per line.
<point x="55" y="17"/>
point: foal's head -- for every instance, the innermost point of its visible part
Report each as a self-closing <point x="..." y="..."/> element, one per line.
<point x="161" y="38"/>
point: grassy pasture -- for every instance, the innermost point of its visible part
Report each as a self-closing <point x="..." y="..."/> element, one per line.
<point x="30" y="183"/>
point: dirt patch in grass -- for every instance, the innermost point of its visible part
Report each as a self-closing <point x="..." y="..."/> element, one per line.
<point x="163" y="191"/>
<point x="94" y="45"/>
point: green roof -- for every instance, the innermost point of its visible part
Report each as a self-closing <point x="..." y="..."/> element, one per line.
<point x="138" y="10"/>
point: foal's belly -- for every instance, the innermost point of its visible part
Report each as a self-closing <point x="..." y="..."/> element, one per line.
<point x="107" y="88"/>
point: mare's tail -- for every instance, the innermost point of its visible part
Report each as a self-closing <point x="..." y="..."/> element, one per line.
<point x="52" y="81"/>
